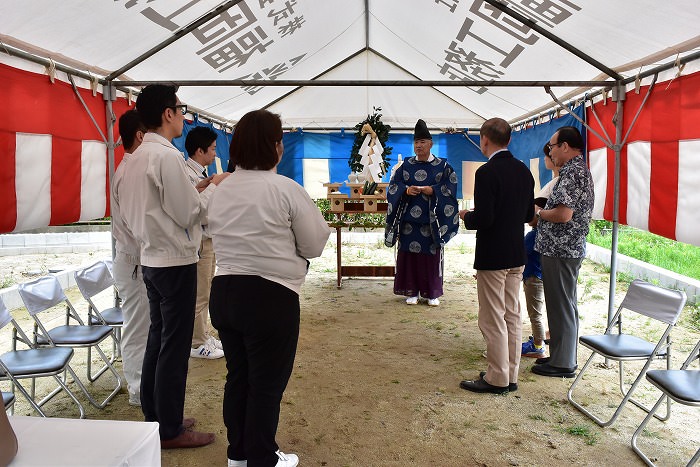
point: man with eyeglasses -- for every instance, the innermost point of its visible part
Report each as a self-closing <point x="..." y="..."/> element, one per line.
<point x="561" y="240"/>
<point x="164" y="213"/>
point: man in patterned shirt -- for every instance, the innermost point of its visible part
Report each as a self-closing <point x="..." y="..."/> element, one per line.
<point x="561" y="240"/>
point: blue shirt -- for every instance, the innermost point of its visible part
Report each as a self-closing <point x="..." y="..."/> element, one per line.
<point x="532" y="267"/>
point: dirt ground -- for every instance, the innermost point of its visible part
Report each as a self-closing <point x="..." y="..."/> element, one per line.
<point x="376" y="382"/>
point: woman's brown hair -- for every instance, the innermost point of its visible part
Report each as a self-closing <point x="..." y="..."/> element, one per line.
<point x="254" y="141"/>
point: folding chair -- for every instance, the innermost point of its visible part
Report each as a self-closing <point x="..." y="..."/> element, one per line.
<point x="662" y="305"/>
<point x="32" y="363"/>
<point x="683" y="386"/>
<point x="45" y="293"/>
<point x="8" y="399"/>
<point x="92" y="281"/>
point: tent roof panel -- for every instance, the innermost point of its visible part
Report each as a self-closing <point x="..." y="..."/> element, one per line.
<point x="443" y="40"/>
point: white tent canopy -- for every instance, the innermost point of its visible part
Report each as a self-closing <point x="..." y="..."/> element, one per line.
<point x="457" y="41"/>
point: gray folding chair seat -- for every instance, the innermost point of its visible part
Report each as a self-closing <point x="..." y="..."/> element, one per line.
<point x="46" y="293"/>
<point x="37" y="361"/>
<point x="32" y="363"/>
<point x="679" y="385"/>
<point x="621" y="346"/>
<point x="8" y="398"/>
<point x="664" y="307"/>
<point x="75" y="336"/>
<point x="682" y="386"/>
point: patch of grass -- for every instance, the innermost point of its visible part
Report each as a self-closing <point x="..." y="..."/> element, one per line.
<point x="669" y="254"/>
<point x="537" y="417"/>
<point x="692" y="316"/>
<point x="6" y="282"/>
<point x="584" y="431"/>
<point x="651" y="434"/>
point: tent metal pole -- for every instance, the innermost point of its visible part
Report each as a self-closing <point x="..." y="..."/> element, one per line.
<point x="667" y="66"/>
<point x="619" y="98"/>
<point x="373" y="83"/>
<point x="180" y="33"/>
<point x="366" y="24"/>
<point x="639" y="110"/>
<point x="561" y="43"/>
<point x="567" y="110"/>
<point x="343" y="61"/>
<point x="87" y="109"/>
<point x="109" y="94"/>
<point x="653" y="71"/>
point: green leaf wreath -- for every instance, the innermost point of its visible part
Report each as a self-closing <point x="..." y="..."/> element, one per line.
<point x="382" y="131"/>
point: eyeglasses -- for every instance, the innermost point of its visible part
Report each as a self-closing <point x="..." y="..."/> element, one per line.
<point x="550" y="146"/>
<point x="182" y="107"/>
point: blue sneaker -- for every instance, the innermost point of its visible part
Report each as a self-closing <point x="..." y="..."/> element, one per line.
<point x="529" y="349"/>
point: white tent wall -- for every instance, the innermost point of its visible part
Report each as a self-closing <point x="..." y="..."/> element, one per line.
<point x="452" y="41"/>
<point x="463" y="42"/>
<point x="320" y="107"/>
<point x="457" y="40"/>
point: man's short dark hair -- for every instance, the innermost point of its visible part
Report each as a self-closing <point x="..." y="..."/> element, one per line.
<point x="152" y="102"/>
<point x="129" y="123"/>
<point x="254" y="141"/>
<point x="497" y="131"/>
<point x="199" y="137"/>
<point x="571" y="136"/>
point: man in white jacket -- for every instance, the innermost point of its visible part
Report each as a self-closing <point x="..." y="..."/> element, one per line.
<point x="127" y="270"/>
<point x="164" y="212"/>
<point x="201" y="149"/>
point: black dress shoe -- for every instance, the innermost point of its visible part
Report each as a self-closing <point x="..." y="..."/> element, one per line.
<point x="542" y="360"/>
<point x="545" y="369"/>
<point x="512" y="387"/>
<point x="482" y="386"/>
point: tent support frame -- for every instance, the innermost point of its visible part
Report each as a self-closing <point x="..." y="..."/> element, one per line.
<point x="560" y="42"/>
<point x="177" y="35"/>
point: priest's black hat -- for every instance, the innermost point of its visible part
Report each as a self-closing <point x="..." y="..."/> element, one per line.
<point x="421" y="131"/>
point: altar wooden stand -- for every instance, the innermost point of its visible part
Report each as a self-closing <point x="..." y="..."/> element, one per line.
<point x="357" y="203"/>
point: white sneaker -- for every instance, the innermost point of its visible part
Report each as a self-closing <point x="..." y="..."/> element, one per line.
<point x="135" y="401"/>
<point x="412" y="300"/>
<point x="287" y="460"/>
<point x="215" y="342"/>
<point x="433" y="301"/>
<point x="206" y="350"/>
<point x="232" y="463"/>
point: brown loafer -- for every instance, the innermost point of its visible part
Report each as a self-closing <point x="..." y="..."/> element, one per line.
<point x="188" y="439"/>
<point x="188" y="422"/>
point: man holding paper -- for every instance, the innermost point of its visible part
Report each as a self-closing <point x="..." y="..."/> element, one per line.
<point x="422" y="212"/>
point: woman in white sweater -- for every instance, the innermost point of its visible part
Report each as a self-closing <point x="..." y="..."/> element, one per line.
<point x="264" y="227"/>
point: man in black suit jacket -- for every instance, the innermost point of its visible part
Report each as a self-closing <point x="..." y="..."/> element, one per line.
<point x="503" y="203"/>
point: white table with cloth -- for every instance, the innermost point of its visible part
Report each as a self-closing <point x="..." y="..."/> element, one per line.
<point x="73" y="442"/>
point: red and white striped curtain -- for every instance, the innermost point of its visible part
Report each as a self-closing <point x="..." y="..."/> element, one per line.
<point x="53" y="161"/>
<point x="660" y="165"/>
